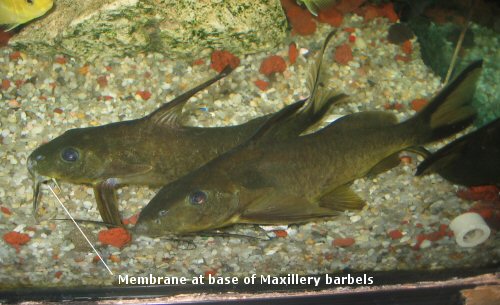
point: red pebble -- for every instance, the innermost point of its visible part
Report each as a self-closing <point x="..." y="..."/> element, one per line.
<point x="211" y="272"/>
<point x="221" y="59"/>
<point x="300" y="19"/>
<point x="15" y="55"/>
<point x="343" y="54"/>
<point x="406" y="47"/>
<point x="280" y="233"/>
<point x="387" y="11"/>
<point x="344" y="242"/>
<point x="6" y="211"/>
<point x="488" y="193"/>
<point x="58" y="110"/>
<point x="131" y="220"/>
<point x="293" y="53"/>
<point x="61" y="60"/>
<point x="145" y="95"/>
<point x="402" y="58"/>
<point x="405" y="159"/>
<point x="352" y="38"/>
<point x="418" y="104"/>
<point x="198" y="62"/>
<point x="4" y="37"/>
<point x="331" y="16"/>
<point x="16" y="239"/>
<point x="272" y="64"/>
<point x="5" y="84"/>
<point x="58" y="274"/>
<point x="116" y="237"/>
<point x="261" y="84"/>
<point x="102" y="81"/>
<point x="395" y="234"/>
<point x="348" y="6"/>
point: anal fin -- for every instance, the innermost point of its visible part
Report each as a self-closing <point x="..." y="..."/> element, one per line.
<point x="340" y="199"/>
<point x="284" y="209"/>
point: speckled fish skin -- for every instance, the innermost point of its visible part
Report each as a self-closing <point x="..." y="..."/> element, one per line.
<point x="303" y="178"/>
<point x="150" y="151"/>
<point x="471" y="160"/>
<point x="16" y="12"/>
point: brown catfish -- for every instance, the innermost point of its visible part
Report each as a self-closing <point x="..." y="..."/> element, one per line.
<point x="298" y="179"/>
<point x="152" y="150"/>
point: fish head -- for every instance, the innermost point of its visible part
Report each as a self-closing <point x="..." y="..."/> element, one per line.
<point x="185" y="207"/>
<point x="74" y="157"/>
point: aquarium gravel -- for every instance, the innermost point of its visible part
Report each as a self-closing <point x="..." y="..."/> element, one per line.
<point x="404" y="225"/>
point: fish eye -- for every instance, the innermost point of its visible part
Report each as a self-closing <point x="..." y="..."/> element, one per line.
<point x="162" y="213"/>
<point x="70" y="154"/>
<point x="30" y="1"/>
<point x="197" y="197"/>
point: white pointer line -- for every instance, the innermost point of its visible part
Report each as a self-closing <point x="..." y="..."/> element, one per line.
<point x="76" y="224"/>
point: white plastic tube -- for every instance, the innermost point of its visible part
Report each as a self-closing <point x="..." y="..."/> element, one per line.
<point x="470" y="229"/>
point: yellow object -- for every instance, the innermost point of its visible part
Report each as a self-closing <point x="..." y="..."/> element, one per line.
<point x="16" y="12"/>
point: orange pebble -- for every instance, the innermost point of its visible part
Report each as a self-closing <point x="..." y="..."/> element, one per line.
<point x="114" y="258"/>
<point x="116" y="237"/>
<point x="418" y="104"/>
<point x="344" y="242"/>
<point x="261" y="84"/>
<point x="221" y="59"/>
<point x="83" y="70"/>
<point x="6" y="211"/>
<point x="395" y="234"/>
<point x="280" y="233"/>
<point x="132" y="220"/>
<point x="5" y="84"/>
<point x="293" y="53"/>
<point x="16" y="239"/>
<point x="406" y="47"/>
<point x="272" y="64"/>
<point x="61" y="60"/>
<point x="343" y="54"/>
<point x="145" y="95"/>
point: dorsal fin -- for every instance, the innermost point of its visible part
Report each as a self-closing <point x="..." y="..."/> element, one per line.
<point x="292" y="120"/>
<point x="170" y="112"/>
<point x="275" y="122"/>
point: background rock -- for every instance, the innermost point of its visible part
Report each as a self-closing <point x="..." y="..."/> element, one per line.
<point x="179" y="28"/>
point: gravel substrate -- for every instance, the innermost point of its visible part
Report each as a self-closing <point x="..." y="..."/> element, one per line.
<point x="44" y="98"/>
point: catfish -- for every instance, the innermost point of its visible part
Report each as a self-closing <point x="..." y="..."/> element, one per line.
<point x="272" y="179"/>
<point x="471" y="160"/>
<point x="152" y="150"/>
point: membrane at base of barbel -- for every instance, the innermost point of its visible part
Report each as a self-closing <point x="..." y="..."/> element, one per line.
<point x="470" y="229"/>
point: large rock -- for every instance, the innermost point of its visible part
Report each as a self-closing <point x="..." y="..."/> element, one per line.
<point x="179" y="28"/>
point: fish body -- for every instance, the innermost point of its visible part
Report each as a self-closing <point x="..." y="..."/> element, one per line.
<point x="151" y="151"/>
<point x="298" y="179"/>
<point x="16" y="12"/>
<point x="471" y="160"/>
<point x="315" y="5"/>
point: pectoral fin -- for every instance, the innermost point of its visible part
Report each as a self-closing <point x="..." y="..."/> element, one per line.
<point x="385" y="165"/>
<point x="107" y="202"/>
<point x="124" y="170"/>
<point x="341" y="199"/>
<point x="283" y="209"/>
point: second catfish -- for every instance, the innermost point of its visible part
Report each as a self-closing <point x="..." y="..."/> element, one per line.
<point x="303" y="178"/>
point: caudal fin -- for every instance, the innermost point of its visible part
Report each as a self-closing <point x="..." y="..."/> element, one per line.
<point x="450" y="110"/>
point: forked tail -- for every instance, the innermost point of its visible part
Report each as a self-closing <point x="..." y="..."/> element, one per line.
<point x="449" y="111"/>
